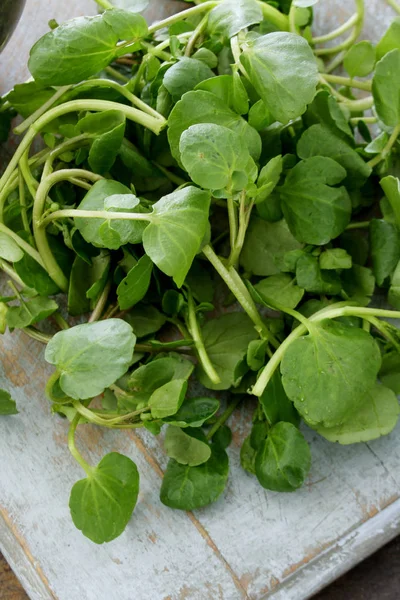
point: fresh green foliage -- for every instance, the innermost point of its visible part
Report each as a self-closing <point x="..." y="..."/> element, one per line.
<point x="283" y="459"/>
<point x="328" y="372"/>
<point x="92" y="356"/>
<point x="377" y="416"/>
<point x="315" y="211"/>
<point x="231" y="16"/>
<point x="210" y="185"/>
<point x="282" y="68"/>
<point x="7" y="404"/>
<point x="102" y="504"/>
<point x="135" y="285"/>
<point x="185" y="448"/>
<point x="188" y="488"/>
<point x="176" y="231"/>
<point x="360" y="59"/>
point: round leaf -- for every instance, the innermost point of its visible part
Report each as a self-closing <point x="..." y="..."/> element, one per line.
<point x="184" y="448"/>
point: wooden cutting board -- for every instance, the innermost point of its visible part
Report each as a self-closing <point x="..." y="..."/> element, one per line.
<point x="251" y="544"/>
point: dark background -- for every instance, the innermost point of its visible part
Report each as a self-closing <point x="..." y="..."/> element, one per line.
<point x="377" y="578"/>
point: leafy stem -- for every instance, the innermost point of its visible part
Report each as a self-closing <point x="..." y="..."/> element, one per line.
<point x="348" y="82"/>
<point x="386" y="151"/>
<point x="195" y="332"/>
<point x="92" y="214"/>
<point x="224" y="417"/>
<point x="185" y="14"/>
<point x="73" y="449"/>
<point x="244" y="220"/>
<point x="241" y="293"/>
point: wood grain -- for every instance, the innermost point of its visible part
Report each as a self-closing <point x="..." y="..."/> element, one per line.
<point x="250" y="544"/>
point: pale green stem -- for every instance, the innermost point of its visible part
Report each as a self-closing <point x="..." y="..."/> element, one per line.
<point x="185" y="14"/>
<point x="224" y="417"/>
<point x="22" y="244"/>
<point x="320" y="39"/>
<point x="198" y="342"/>
<point x="233" y="225"/>
<point x="116" y="74"/>
<point x="101" y="302"/>
<point x="74" y="213"/>
<point x="358" y="225"/>
<point x="73" y="449"/>
<point x="274" y="16"/>
<point x="353" y="36"/>
<point x="133" y="114"/>
<point x="346" y="81"/>
<point x="381" y="327"/>
<point x="292" y="19"/>
<point x="367" y="120"/>
<point x="37" y="335"/>
<point x="42" y="243"/>
<point x="7" y="268"/>
<point x="359" y="105"/>
<point x="105" y="4"/>
<point x="22" y="202"/>
<point x="382" y="155"/>
<point x="241" y="293"/>
<point x="394" y="5"/>
<point x="195" y="35"/>
<point x="41" y="110"/>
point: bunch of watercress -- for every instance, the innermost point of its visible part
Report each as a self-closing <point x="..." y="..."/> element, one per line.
<point x="215" y="205"/>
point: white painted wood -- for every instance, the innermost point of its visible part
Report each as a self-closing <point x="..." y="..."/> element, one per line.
<point x="250" y="544"/>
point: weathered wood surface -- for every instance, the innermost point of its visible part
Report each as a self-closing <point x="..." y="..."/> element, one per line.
<point x="250" y="544"/>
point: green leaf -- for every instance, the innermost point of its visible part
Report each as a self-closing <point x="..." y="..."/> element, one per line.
<point x="135" y="285"/>
<point x="188" y="488"/>
<point x="335" y="258"/>
<point x="391" y="187"/>
<point x="30" y="312"/>
<point x="226" y="340"/>
<point x="284" y="459"/>
<point x="313" y="279"/>
<point x="184" y="75"/>
<point x="157" y="373"/>
<point x="108" y="129"/>
<point x="203" y="107"/>
<point x="265" y="247"/>
<point x="248" y="456"/>
<point x="394" y="290"/>
<point x="135" y="6"/>
<point x="125" y="24"/>
<point x="102" y="504"/>
<point x="385" y="249"/>
<point x="184" y="448"/>
<point x="7" y="404"/>
<point x="194" y="412"/>
<point x="255" y="356"/>
<point x="320" y="141"/>
<point x="389" y="374"/>
<point x="315" y="211"/>
<point x="359" y="284"/>
<point x="328" y="372"/>
<point x="377" y="416"/>
<point x="92" y="356"/>
<point x="275" y="403"/>
<point x="222" y="437"/>
<point x="86" y="282"/>
<point x="214" y="157"/>
<point x="35" y="277"/>
<point x="9" y="250"/>
<point x="167" y="399"/>
<point x="240" y="98"/>
<point x="27" y="97"/>
<point x="96" y="199"/>
<point x="359" y="60"/>
<point x="280" y="288"/>
<point x="386" y="88"/>
<point x="268" y="178"/>
<point x="145" y="320"/>
<point x="207" y="57"/>
<point x="325" y="110"/>
<point x="179" y="222"/>
<point x="390" y="40"/>
<point x="282" y="68"/>
<point x="78" y="48"/>
<point x="231" y="16"/>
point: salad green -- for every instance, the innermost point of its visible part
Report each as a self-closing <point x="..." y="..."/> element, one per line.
<point x="212" y="206"/>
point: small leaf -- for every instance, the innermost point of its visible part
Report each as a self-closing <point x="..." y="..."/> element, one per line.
<point x="359" y="60"/>
<point x="390" y="40"/>
<point x="231" y="16"/>
<point x="256" y="354"/>
<point x="335" y="258"/>
<point x="184" y="75"/>
<point x="194" y="412"/>
<point x="282" y="68"/>
<point x="167" y="399"/>
<point x="280" y="288"/>
<point x="179" y="222"/>
<point x="7" y="404"/>
<point x="102" y="504"/>
<point x="125" y="24"/>
<point x="9" y="250"/>
<point x="386" y="88"/>
<point x="275" y="403"/>
<point x="385" y="249"/>
<point x="30" y="312"/>
<point x="108" y="129"/>
<point x="92" y="356"/>
<point x="328" y="372"/>
<point x="188" y="488"/>
<point x="145" y="320"/>
<point x="377" y="416"/>
<point x="212" y="155"/>
<point x="284" y="459"/>
<point x="160" y="371"/>
<point x="135" y="285"/>
<point x="184" y="448"/>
